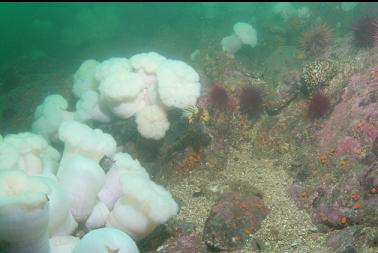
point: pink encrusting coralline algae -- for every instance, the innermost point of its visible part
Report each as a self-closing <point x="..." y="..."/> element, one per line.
<point x="354" y="121"/>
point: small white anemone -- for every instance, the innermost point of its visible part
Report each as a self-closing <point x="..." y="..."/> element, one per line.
<point x="246" y="33"/>
<point x="285" y="9"/>
<point x="24" y="213"/>
<point x="231" y="44"/>
<point x="50" y="115"/>
<point x="84" y="77"/>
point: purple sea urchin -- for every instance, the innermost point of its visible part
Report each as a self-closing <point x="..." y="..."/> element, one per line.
<point x="318" y="106"/>
<point x="218" y="97"/>
<point x="251" y="101"/>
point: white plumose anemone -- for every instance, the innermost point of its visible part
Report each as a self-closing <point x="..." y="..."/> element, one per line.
<point x="106" y="240"/>
<point x="9" y="156"/>
<point x="152" y="122"/>
<point x="82" y="179"/>
<point x="61" y="221"/>
<point x="80" y="139"/>
<point x="231" y="44"/>
<point x="142" y="207"/>
<point x="148" y="62"/>
<point x="84" y="77"/>
<point x="121" y="86"/>
<point x="35" y="156"/>
<point x="111" y="66"/>
<point x="98" y="216"/>
<point x="89" y="107"/>
<point x="178" y="84"/>
<point x="285" y="9"/>
<point x="63" y="244"/>
<point x="246" y="33"/>
<point x="135" y="86"/>
<point x="24" y="212"/>
<point x="50" y="115"/>
<point x="111" y="191"/>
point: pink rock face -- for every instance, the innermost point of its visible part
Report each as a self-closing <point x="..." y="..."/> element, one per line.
<point x="347" y="146"/>
<point x="358" y="106"/>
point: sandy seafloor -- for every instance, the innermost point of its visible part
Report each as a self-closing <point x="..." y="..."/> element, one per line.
<point x="285" y="229"/>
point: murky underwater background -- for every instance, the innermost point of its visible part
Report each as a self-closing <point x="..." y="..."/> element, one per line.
<point x="259" y="119"/>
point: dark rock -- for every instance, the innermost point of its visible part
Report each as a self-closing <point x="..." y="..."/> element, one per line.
<point x="184" y="244"/>
<point x="197" y="194"/>
<point x="353" y="239"/>
<point x="232" y="220"/>
<point x="256" y="245"/>
<point x="286" y="91"/>
<point x="154" y="240"/>
<point x="179" y="227"/>
<point x="183" y="240"/>
<point x="374" y="148"/>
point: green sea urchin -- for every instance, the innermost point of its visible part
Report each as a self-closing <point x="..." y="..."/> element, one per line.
<point x="313" y="41"/>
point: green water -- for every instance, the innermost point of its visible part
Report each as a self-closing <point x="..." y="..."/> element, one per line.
<point x="47" y="39"/>
<point x="64" y="29"/>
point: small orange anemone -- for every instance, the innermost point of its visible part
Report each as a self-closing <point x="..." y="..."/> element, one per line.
<point x="354" y="196"/>
<point x="343" y="220"/>
<point x="323" y="159"/>
<point x="373" y="190"/>
<point x="360" y="152"/>
<point x="356" y="205"/>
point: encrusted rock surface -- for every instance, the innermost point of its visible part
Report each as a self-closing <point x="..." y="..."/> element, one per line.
<point x="232" y="220"/>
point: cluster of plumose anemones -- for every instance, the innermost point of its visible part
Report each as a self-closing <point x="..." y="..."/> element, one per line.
<point x="62" y="195"/>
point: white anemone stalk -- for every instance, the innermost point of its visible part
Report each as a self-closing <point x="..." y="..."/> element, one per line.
<point x="82" y="179"/>
<point x="61" y="220"/>
<point x="98" y="216"/>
